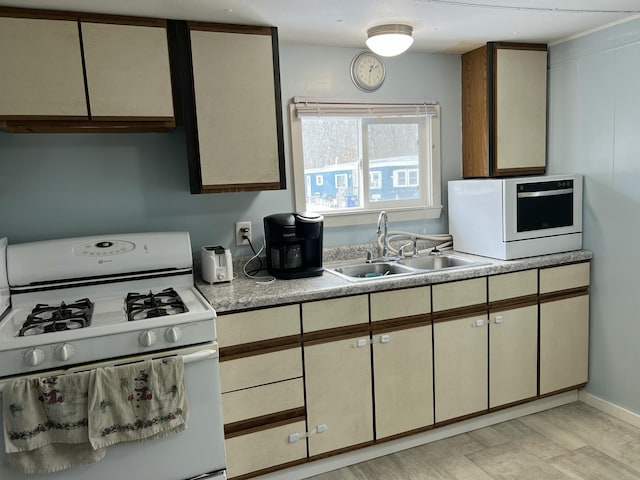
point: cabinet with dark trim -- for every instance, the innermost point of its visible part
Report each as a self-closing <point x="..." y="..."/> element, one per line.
<point x="504" y="105"/>
<point x="228" y="81"/>
<point x="74" y="72"/>
<point x="401" y="336"/>
<point x="564" y="327"/>
<point x="262" y="389"/>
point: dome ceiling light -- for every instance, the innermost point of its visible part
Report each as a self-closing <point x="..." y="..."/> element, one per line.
<point x="389" y="40"/>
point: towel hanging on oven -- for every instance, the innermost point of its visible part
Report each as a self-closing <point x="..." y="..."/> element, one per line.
<point x="58" y="422"/>
<point x="138" y="401"/>
<point x="45" y="423"/>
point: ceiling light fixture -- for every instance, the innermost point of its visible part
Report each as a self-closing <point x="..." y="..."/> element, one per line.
<point x="389" y="40"/>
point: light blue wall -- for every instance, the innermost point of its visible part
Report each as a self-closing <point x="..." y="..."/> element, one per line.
<point x="59" y="185"/>
<point x="594" y="129"/>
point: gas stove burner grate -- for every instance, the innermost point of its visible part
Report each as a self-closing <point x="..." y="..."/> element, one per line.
<point x="57" y="318"/>
<point x="150" y="305"/>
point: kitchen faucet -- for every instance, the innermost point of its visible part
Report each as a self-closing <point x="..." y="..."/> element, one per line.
<point x="383" y="224"/>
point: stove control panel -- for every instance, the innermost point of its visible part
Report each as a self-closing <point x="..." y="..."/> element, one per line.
<point x="104" y="248"/>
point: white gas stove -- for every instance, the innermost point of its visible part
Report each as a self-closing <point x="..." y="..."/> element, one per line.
<point x="81" y="300"/>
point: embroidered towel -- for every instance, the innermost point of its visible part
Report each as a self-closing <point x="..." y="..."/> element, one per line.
<point x="45" y="423"/>
<point x="138" y="401"/>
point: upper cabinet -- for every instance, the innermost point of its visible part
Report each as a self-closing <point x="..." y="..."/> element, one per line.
<point x="229" y="86"/>
<point x="74" y="72"/>
<point x="504" y="104"/>
<point x="128" y="72"/>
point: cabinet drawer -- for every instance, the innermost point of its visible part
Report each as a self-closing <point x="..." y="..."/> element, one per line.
<point x="513" y="285"/>
<point x="564" y="278"/>
<point x="262" y="400"/>
<point x="262" y="369"/>
<point x="337" y="312"/>
<point x="264" y="449"/>
<point x="400" y="303"/>
<point x="256" y="325"/>
<point x="452" y="295"/>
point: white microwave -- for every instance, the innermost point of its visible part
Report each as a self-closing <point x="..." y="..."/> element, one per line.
<point x="519" y="217"/>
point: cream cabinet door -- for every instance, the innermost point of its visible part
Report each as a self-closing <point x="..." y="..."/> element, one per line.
<point x="234" y="84"/>
<point x="338" y="388"/>
<point x="128" y="72"/>
<point x="403" y="380"/>
<point x="521" y="109"/>
<point x="460" y="367"/>
<point x="564" y="343"/>
<point x="41" y="68"/>
<point x="513" y="355"/>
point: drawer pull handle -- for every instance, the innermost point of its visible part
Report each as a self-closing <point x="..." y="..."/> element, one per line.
<point x="294" y="437"/>
<point x="478" y="323"/>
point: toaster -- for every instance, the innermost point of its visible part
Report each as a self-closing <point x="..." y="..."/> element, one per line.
<point x="217" y="264"/>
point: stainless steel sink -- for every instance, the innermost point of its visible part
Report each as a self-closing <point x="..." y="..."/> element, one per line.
<point x="371" y="271"/>
<point x="438" y="262"/>
<point x="361" y="271"/>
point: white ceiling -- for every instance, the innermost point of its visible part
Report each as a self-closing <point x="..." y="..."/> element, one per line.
<point x="447" y="26"/>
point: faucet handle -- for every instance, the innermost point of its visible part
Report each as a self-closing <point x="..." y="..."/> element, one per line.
<point x="401" y="251"/>
<point x="416" y="252"/>
<point x="369" y="256"/>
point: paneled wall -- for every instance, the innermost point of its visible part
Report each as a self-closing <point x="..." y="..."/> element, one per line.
<point x="594" y="125"/>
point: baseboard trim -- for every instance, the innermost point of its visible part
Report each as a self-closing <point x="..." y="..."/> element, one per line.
<point x="324" y="465"/>
<point x="610" y="408"/>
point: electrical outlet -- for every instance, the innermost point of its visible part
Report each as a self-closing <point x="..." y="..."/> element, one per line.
<point x="243" y="229"/>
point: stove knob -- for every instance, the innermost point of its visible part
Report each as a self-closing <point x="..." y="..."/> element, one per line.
<point x="148" y="338"/>
<point x="64" y="352"/>
<point x="34" y="357"/>
<point x="173" y="334"/>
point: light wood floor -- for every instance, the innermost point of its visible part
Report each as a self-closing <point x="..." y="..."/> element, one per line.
<point x="574" y="441"/>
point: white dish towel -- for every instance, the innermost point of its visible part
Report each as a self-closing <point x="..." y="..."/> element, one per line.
<point x="58" y="422"/>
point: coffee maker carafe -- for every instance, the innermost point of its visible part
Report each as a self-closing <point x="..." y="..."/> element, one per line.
<point x="294" y="244"/>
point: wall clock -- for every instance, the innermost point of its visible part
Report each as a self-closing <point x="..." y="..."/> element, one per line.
<point x="367" y="71"/>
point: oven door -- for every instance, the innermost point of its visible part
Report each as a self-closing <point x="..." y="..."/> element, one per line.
<point x="542" y="207"/>
<point x="197" y="452"/>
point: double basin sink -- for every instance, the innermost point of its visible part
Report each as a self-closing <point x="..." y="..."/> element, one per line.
<point x="362" y="271"/>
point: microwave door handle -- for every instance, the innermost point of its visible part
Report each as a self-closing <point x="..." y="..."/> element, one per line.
<point x="546" y="193"/>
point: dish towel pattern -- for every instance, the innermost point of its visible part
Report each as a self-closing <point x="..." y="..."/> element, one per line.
<point x="58" y="422"/>
<point x="45" y="423"/>
<point x="138" y="401"/>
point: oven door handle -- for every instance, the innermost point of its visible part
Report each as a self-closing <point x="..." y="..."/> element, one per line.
<point x="545" y="193"/>
<point x="186" y="358"/>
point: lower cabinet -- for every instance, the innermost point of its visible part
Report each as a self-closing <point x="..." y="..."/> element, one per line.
<point x="338" y="388"/>
<point x="255" y="451"/>
<point x="513" y="355"/>
<point x="460" y="366"/>
<point x="403" y="380"/>
<point x="373" y="367"/>
<point x="564" y="343"/>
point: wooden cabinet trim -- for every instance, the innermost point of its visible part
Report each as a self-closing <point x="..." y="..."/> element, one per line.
<point x="258" y="348"/>
<point x="516" y="302"/>
<point x="457" y="313"/>
<point x="519" y="46"/>
<point x="229" y="28"/>
<point x="563" y="294"/>
<point x="334" y="334"/>
<point x="562" y="390"/>
<point x="81" y="16"/>
<point x="264" y="422"/>
<point x="240" y="187"/>
<point x="403" y="323"/>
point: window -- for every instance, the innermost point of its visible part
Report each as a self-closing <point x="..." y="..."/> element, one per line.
<point x="319" y="180"/>
<point x="395" y="147"/>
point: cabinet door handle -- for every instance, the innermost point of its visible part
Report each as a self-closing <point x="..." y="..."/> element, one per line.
<point x="498" y="320"/>
<point x="294" y="437"/>
<point x="362" y="342"/>
<point x="385" y="338"/>
<point x="478" y="323"/>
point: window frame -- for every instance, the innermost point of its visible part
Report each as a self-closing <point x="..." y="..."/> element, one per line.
<point x="430" y="167"/>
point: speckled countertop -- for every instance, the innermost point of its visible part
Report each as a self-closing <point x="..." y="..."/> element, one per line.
<point x="246" y="293"/>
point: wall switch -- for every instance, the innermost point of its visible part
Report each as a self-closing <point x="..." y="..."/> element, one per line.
<point x="243" y="229"/>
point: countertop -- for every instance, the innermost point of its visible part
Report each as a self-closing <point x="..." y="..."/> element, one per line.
<point x="246" y="293"/>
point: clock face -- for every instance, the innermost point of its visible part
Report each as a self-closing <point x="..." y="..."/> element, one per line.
<point x="367" y="71"/>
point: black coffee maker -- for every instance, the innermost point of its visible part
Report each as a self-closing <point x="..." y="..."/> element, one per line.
<point x="294" y="244"/>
